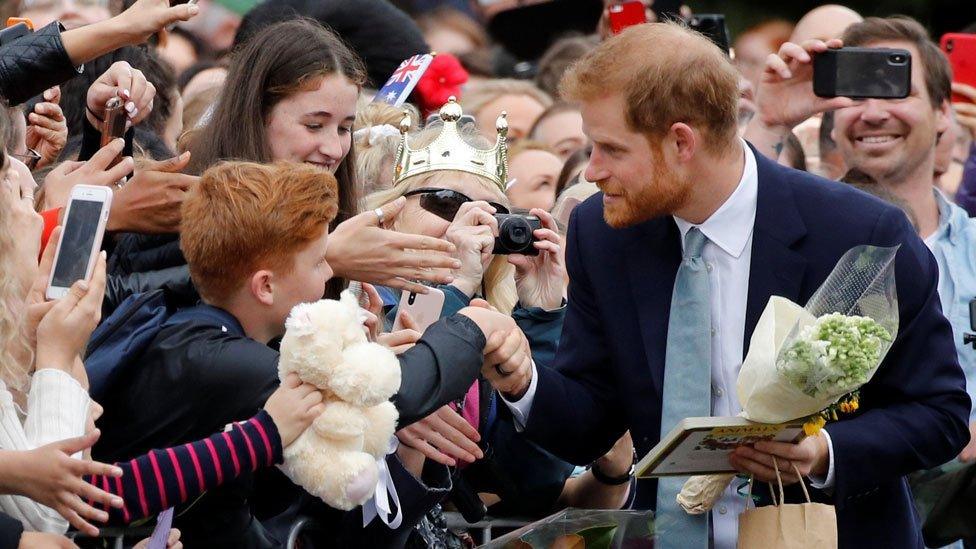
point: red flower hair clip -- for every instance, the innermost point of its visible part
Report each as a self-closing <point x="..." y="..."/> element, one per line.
<point x="443" y="79"/>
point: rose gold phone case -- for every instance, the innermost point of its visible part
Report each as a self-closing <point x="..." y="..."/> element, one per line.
<point x="114" y="125"/>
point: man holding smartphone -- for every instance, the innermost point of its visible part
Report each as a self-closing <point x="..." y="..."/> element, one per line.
<point x="894" y="142"/>
<point x="671" y="266"/>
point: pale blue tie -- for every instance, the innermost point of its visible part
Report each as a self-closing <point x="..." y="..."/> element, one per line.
<point x="687" y="386"/>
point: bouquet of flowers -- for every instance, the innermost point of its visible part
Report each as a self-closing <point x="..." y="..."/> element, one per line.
<point x="809" y="362"/>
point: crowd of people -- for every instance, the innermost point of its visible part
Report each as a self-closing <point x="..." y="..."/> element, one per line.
<point x="258" y="170"/>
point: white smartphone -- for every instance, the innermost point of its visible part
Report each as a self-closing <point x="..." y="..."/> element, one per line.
<point x="424" y="309"/>
<point x="81" y="238"/>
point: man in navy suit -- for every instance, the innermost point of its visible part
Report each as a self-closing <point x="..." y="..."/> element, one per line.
<point x="681" y="189"/>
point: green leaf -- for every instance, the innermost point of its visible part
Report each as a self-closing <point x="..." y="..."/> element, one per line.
<point x="598" y="537"/>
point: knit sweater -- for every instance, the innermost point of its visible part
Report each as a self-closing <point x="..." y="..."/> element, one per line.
<point x="57" y="408"/>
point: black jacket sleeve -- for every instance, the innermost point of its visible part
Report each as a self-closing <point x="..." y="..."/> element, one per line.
<point x="10" y="531"/>
<point x="33" y="63"/>
<point x="174" y="279"/>
<point x="439" y="368"/>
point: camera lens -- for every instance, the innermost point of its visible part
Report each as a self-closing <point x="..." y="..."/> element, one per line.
<point x="897" y="58"/>
<point x="949" y="45"/>
<point x="518" y="234"/>
<point x="515" y="232"/>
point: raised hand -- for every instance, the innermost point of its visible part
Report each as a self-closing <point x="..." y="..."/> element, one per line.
<point x="540" y="279"/>
<point x="148" y="17"/>
<point x="151" y="202"/>
<point x="785" y="95"/>
<point x="47" y="131"/>
<point x="51" y="477"/>
<point x="63" y="332"/>
<point x="96" y="171"/>
<point x="473" y="233"/>
<point x="17" y="190"/>
<point x="965" y="111"/>
<point x="360" y="249"/>
<point x="126" y="83"/>
<point x="444" y="437"/>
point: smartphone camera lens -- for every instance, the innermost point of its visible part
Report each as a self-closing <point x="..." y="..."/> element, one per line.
<point x="411" y="298"/>
<point x="949" y="45"/>
<point x="897" y="59"/>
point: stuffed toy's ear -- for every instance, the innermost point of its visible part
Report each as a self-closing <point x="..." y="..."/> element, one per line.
<point x="299" y="322"/>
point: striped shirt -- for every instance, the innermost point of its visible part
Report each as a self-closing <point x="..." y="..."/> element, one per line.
<point x="164" y="478"/>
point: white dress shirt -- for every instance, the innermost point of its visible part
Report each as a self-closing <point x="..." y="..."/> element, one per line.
<point x="727" y="255"/>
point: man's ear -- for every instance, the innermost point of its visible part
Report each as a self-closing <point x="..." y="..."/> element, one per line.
<point x="262" y="287"/>
<point x="684" y="141"/>
<point x="943" y="117"/>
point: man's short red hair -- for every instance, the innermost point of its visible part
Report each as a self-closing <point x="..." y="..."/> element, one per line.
<point x="667" y="73"/>
<point x="243" y="217"/>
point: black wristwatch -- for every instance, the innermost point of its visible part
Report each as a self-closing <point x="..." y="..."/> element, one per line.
<point x="604" y="478"/>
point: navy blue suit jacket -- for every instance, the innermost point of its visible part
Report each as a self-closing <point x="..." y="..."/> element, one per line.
<point x="609" y="369"/>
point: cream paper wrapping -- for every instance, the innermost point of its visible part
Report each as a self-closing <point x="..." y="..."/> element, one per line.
<point x="770" y="398"/>
<point x="862" y="284"/>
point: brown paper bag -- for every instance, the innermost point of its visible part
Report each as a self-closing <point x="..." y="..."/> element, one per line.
<point x="788" y="526"/>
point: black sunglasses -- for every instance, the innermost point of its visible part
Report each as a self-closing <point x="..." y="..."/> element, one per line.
<point x="445" y="203"/>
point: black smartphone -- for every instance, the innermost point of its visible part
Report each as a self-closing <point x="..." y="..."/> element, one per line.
<point x="13" y="32"/>
<point x="863" y="73"/>
<point x="712" y="25"/>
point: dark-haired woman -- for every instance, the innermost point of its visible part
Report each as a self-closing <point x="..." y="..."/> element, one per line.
<point x="291" y="94"/>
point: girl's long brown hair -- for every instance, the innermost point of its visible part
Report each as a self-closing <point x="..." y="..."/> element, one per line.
<point x="278" y="61"/>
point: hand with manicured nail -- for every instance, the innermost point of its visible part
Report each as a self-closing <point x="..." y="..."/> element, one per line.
<point x="126" y="83"/>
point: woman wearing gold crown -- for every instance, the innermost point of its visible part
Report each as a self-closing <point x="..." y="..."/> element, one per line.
<point x="454" y="182"/>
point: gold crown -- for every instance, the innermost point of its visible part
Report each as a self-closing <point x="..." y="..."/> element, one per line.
<point x="450" y="152"/>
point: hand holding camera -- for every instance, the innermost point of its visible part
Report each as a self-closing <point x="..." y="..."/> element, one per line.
<point x="540" y="275"/>
<point x="473" y="232"/>
<point x="785" y="96"/>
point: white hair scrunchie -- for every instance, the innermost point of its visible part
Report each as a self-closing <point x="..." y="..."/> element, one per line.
<point x="375" y="133"/>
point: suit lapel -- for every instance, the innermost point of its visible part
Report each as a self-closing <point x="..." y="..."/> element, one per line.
<point x="653" y="259"/>
<point x="776" y="268"/>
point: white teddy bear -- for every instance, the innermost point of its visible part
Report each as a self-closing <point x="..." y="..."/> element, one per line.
<point x="335" y="458"/>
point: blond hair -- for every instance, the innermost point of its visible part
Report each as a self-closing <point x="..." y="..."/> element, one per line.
<point x="694" y="83"/>
<point x="499" y="279"/>
<point x="376" y="151"/>
<point x="16" y="355"/>
<point x="478" y="95"/>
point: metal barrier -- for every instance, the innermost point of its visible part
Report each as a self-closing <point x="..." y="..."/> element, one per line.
<point x="484" y="528"/>
<point x="456" y="522"/>
<point x="117" y="536"/>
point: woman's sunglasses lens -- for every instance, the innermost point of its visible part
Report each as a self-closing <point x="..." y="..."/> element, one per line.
<point x="443" y="205"/>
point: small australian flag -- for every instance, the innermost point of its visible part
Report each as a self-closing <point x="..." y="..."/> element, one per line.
<point x="404" y="79"/>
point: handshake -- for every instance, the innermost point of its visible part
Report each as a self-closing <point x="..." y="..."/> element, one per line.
<point x="508" y="358"/>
